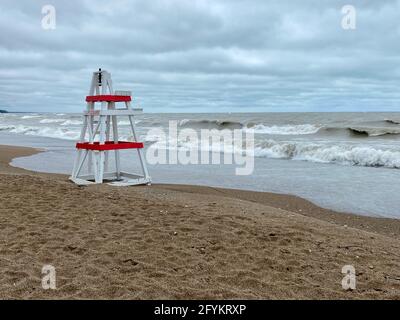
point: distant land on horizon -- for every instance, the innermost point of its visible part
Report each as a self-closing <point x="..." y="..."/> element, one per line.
<point x="5" y="111"/>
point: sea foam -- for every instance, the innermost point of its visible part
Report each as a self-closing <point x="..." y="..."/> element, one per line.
<point x="345" y="154"/>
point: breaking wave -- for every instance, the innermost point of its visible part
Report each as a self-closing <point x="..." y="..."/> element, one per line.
<point x="30" y="116"/>
<point x="72" y="123"/>
<point x="373" y="132"/>
<point x="52" y="120"/>
<point x="299" y="129"/>
<point x="210" y="124"/>
<point x="59" y="133"/>
<point x="329" y="143"/>
<point x="341" y="154"/>
<point x="258" y="128"/>
<point x="391" y="121"/>
<point x="375" y="129"/>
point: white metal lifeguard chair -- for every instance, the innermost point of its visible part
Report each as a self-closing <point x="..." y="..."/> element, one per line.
<point x="97" y="139"/>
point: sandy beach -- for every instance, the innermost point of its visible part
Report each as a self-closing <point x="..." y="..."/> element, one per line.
<point x="183" y="242"/>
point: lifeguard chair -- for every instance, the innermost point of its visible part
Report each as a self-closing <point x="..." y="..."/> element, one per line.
<point x="99" y="137"/>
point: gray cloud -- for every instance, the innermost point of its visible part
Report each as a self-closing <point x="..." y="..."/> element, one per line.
<point x="203" y="55"/>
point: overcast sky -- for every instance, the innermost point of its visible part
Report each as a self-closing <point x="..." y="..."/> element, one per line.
<point x="203" y="56"/>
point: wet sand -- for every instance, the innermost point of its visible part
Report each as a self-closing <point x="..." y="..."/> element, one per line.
<point x="183" y="242"/>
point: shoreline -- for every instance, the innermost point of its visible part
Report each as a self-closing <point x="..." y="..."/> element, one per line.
<point x="292" y="203"/>
<point x="183" y="242"/>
